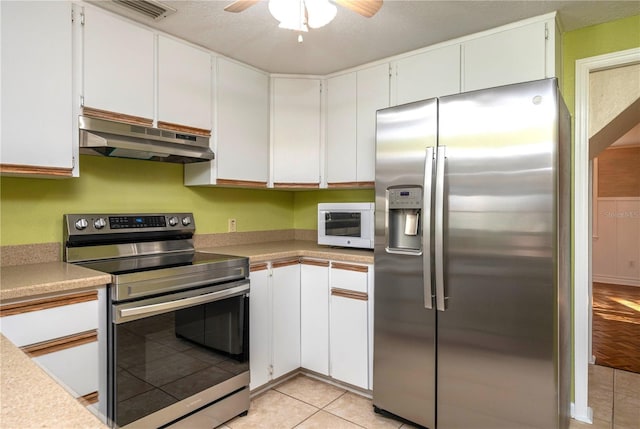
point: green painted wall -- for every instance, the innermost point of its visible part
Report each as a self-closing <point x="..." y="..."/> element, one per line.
<point x="31" y="209"/>
<point x="592" y="41"/>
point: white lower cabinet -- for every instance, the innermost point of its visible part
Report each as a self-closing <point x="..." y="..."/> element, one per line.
<point x="274" y="320"/>
<point x="260" y="326"/>
<point x="286" y="317"/>
<point x="66" y="337"/>
<point x="311" y="314"/>
<point x="350" y="320"/>
<point x="314" y="315"/>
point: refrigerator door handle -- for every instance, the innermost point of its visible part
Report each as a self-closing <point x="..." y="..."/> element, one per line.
<point x="441" y="299"/>
<point x="426" y="228"/>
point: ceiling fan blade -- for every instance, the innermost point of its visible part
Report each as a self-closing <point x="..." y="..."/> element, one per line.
<point x="240" y="5"/>
<point x="366" y="8"/>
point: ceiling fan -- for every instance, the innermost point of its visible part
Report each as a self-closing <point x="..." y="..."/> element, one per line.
<point x="298" y="14"/>
<point x="366" y="8"/>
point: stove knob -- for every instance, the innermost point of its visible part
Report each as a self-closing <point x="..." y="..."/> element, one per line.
<point x="100" y="223"/>
<point x="81" y="224"/>
<point x="173" y="221"/>
<point x="186" y="221"/>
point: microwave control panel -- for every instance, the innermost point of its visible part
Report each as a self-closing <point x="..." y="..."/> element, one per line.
<point x="405" y="198"/>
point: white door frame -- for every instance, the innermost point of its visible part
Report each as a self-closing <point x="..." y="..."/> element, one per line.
<point x="582" y="223"/>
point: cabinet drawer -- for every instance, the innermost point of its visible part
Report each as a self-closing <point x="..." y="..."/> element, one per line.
<point x="76" y="368"/>
<point x="47" y="319"/>
<point x="349" y="277"/>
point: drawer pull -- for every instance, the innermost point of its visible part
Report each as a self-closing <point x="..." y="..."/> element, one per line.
<point x="350" y="267"/>
<point x="350" y="294"/>
<point x="43" y="304"/>
<point x="63" y="343"/>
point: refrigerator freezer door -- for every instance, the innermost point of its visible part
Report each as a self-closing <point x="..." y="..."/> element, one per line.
<point x="404" y="331"/>
<point x="497" y="340"/>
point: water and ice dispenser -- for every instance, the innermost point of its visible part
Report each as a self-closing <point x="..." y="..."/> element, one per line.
<point x="404" y="213"/>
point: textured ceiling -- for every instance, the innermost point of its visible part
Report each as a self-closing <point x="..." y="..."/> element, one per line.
<point x="253" y="36"/>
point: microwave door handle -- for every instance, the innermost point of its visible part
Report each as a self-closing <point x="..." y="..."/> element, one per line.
<point x="426" y="229"/>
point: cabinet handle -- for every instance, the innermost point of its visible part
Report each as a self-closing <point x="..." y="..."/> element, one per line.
<point x="350" y="294"/>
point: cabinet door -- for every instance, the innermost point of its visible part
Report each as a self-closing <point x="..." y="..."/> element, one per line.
<point x="286" y="318"/>
<point x="76" y="367"/>
<point x="184" y="85"/>
<point x="243" y="124"/>
<point x="373" y="94"/>
<point x="342" y="110"/>
<point x="433" y="73"/>
<point x="118" y="65"/>
<point x="429" y="74"/>
<point x="259" y="327"/>
<point x="296" y="132"/>
<point x="511" y="56"/>
<point x="37" y="122"/>
<point x="349" y="345"/>
<point x="314" y="321"/>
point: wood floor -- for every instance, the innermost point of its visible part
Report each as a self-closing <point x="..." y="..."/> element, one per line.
<point x="616" y="326"/>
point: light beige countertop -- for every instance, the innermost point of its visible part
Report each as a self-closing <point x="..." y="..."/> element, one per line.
<point x="274" y="250"/>
<point x="31" y="280"/>
<point x="30" y="398"/>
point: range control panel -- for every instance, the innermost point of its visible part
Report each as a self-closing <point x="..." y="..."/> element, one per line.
<point x="81" y="224"/>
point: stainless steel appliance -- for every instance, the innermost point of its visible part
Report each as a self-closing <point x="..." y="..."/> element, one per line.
<point x="472" y="298"/>
<point x="178" y="320"/>
<point x="346" y="224"/>
<point x="121" y="140"/>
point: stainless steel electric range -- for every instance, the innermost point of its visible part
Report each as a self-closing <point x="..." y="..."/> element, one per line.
<point x="178" y="320"/>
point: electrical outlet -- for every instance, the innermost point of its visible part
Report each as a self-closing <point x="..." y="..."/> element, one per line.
<point x="232" y="225"/>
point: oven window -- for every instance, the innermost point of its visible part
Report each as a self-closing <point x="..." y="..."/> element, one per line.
<point x="343" y="224"/>
<point x="163" y="359"/>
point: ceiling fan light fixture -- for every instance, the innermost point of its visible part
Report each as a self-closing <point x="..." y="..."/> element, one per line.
<point x="290" y="14"/>
<point x="320" y="12"/>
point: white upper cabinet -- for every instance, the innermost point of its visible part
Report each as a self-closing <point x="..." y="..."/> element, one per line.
<point x="373" y="94"/>
<point x="184" y="86"/>
<point x="295" y="122"/>
<point x="118" y="66"/>
<point x="342" y="113"/>
<point x="428" y="74"/>
<point x="37" y="125"/>
<point x="241" y="129"/>
<point x="514" y="55"/>
<point x="352" y="101"/>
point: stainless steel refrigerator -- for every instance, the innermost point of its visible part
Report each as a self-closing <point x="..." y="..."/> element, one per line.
<point x="472" y="295"/>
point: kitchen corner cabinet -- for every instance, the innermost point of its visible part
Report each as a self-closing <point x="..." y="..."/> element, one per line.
<point x="37" y="62"/>
<point x="184" y="87"/>
<point x="352" y="101"/>
<point x="242" y="128"/>
<point x="295" y="132"/>
<point x="118" y="66"/>
<point x="349" y="324"/>
<point x="428" y="74"/>
<point x="65" y="336"/>
<point x="518" y="54"/>
<point x="314" y="315"/>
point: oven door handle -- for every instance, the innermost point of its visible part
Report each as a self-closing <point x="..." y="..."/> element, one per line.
<point x="178" y="304"/>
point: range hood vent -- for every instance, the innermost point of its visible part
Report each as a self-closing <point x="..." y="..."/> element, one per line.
<point x="149" y="8"/>
<point x="121" y="140"/>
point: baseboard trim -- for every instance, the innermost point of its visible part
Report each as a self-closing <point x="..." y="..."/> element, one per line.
<point x="625" y="281"/>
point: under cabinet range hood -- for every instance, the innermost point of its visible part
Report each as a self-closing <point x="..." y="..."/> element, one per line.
<point x="121" y="140"/>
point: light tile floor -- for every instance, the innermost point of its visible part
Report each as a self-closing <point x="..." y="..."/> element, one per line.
<point x="306" y="403"/>
<point x="614" y="397"/>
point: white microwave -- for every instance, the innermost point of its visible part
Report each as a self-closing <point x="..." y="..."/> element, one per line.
<point x="346" y="224"/>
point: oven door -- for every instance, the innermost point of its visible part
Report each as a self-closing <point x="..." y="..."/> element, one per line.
<point x="175" y="354"/>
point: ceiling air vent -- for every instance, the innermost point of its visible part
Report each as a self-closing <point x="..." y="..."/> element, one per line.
<point x="149" y="8"/>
